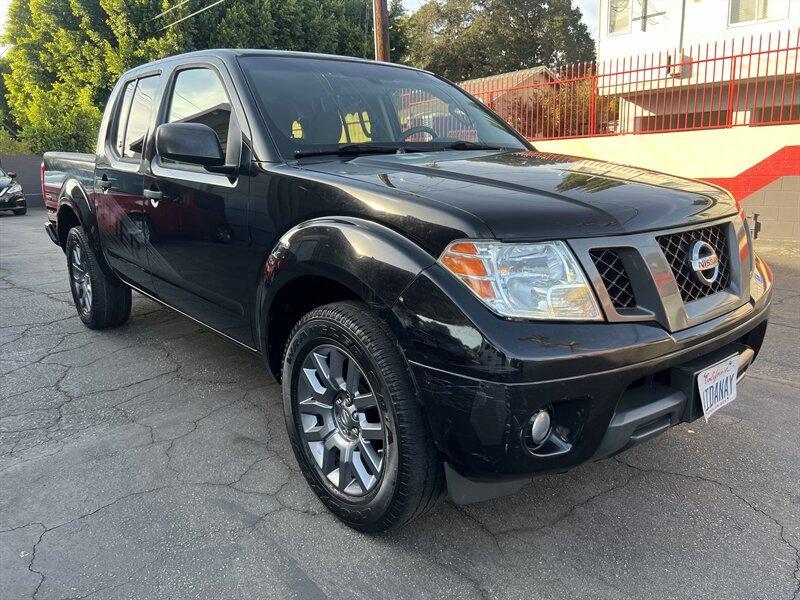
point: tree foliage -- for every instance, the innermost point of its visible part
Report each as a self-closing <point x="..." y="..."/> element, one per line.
<point x="67" y="54"/>
<point x="6" y="123"/>
<point x="463" y="39"/>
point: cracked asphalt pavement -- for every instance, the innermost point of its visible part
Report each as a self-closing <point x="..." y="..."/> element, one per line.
<point x="151" y="461"/>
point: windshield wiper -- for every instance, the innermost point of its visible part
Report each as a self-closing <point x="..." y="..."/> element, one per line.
<point x="343" y="149"/>
<point x="465" y="145"/>
<point x="369" y="148"/>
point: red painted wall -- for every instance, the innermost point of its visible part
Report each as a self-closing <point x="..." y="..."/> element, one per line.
<point x="785" y="162"/>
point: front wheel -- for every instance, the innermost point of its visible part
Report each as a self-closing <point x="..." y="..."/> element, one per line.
<point x="354" y="422"/>
<point x="20" y="211"/>
<point x="101" y="302"/>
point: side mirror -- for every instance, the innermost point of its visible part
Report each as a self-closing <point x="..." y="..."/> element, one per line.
<point x="12" y="174"/>
<point x="192" y="143"/>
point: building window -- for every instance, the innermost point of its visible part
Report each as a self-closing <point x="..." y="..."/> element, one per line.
<point x="749" y="11"/>
<point x="619" y="16"/>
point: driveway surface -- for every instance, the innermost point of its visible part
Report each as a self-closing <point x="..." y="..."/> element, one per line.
<point x="151" y="461"/>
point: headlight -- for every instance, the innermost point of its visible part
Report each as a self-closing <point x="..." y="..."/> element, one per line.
<point x="12" y="189"/>
<point x="529" y="281"/>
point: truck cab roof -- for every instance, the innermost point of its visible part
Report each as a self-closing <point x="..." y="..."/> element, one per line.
<point x="231" y="54"/>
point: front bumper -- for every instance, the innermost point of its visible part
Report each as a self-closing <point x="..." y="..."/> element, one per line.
<point x="10" y="202"/>
<point x="608" y="385"/>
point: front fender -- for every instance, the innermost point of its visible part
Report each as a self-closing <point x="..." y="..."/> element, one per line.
<point x="374" y="262"/>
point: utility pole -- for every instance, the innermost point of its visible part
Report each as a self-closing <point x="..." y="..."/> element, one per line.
<point x="380" y="26"/>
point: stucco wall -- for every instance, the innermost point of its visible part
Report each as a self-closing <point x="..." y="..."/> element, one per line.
<point x="760" y="166"/>
<point x="751" y="102"/>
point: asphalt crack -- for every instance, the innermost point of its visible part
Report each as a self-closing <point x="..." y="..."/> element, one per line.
<point x="729" y="488"/>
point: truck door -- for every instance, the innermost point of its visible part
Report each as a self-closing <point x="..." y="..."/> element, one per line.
<point x="119" y="183"/>
<point x="201" y="252"/>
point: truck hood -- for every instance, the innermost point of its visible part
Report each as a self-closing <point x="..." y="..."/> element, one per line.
<point x="532" y="195"/>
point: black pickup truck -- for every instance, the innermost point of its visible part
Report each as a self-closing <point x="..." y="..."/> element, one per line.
<point x="443" y="304"/>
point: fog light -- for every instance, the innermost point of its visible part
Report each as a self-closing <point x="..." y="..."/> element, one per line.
<point x="540" y="427"/>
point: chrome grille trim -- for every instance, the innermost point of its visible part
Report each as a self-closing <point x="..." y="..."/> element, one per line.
<point x="654" y="283"/>
<point x="676" y="248"/>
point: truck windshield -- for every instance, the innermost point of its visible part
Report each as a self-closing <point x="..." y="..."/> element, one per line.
<point x="314" y="106"/>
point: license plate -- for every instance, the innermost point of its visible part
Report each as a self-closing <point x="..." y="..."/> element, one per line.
<point x="717" y="385"/>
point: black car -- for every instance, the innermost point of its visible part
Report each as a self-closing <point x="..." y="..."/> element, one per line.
<point x="11" y="195"/>
<point x="442" y="304"/>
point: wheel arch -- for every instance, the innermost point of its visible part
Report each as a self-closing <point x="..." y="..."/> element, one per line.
<point x="67" y="217"/>
<point x="328" y="260"/>
<point x="75" y="209"/>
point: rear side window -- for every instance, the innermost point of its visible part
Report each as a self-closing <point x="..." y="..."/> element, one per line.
<point x="122" y="120"/>
<point x="199" y="97"/>
<point x="139" y="119"/>
<point x="134" y="116"/>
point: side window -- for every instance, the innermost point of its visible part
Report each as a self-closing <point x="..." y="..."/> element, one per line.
<point x="122" y="117"/>
<point x="139" y="119"/>
<point x="199" y="97"/>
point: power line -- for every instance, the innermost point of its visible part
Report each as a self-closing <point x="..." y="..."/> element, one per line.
<point x="162" y="13"/>
<point x="197" y="12"/>
<point x="187" y="100"/>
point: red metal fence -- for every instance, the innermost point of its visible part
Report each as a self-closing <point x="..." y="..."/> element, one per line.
<point x="749" y="81"/>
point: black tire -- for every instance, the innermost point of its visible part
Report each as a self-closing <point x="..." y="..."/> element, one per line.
<point x="109" y="301"/>
<point x="411" y="479"/>
<point x="20" y="211"/>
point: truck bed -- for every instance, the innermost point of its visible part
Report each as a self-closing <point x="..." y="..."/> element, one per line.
<point x="58" y="167"/>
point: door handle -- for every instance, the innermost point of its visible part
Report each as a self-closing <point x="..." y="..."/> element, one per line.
<point x="155" y="196"/>
<point x="104" y="183"/>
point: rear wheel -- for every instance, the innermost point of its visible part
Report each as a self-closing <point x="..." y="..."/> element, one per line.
<point x="101" y="302"/>
<point x="355" y="425"/>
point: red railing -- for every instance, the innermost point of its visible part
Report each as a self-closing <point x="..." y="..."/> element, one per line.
<point x="749" y="81"/>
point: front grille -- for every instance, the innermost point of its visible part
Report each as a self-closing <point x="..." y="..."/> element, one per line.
<point x="676" y="248"/>
<point x="614" y="277"/>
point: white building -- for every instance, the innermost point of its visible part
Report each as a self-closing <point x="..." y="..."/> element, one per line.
<point x="629" y="27"/>
<point x="685" y="64"/>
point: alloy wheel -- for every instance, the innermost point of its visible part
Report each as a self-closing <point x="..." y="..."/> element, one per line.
<point x="340" y="421"/>
<point x="81" y="281"/>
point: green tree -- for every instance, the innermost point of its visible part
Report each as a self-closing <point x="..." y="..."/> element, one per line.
<point x="6" y="122"/>
<point x="68" y="54"/>
<point x="56" y="73"/>
<point x="8" y="142"/>
<point x="463" y="39"/>
<point x="398" y="32"/>
<point x="10" y="145"/>
<point x="132" y="36"/>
